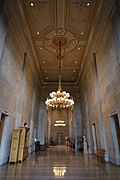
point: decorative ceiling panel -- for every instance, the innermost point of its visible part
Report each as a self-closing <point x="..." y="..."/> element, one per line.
<point x="40" y="16"/>
<point x="46" y="58"/>
<point x="79" y="16"/>
<point x="51" y="75"/>
<point x="74" y="57"/>
<point x="51" y="21"/>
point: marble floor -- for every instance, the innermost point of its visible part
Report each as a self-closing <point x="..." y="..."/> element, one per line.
<point x="60" y="163"/>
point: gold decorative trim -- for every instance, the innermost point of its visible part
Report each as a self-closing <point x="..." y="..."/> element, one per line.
<point x="63" y="39"/>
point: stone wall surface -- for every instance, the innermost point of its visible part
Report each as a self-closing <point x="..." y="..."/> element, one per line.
<point x="16" y="89"/>
<point x="100" y="89"/>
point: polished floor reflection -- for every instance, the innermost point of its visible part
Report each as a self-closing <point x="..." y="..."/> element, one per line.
<point x="60" y="163"/>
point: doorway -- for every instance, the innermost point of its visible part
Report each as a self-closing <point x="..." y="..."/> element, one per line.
<point x="2" y="120"/>
<point x="115" y="126"/>
<point x="5" y="138"/>
<point x="95" y="146"/>
<point x="117" y="129"/>
<point x="60" y="139"/>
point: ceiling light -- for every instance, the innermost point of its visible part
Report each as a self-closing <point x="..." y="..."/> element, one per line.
<point x="43" y="62"/>
<point x="31" y="4"/>
<point x="73" y="70"/>
<point x="38" y="32"/>
<point x="78" y="48"/>
<point x="60" y="99"/>
<point x="59" y="123"/>
<point x="88" y="3"/>
<point x="47" y="41"/>
<point x="82" y="33"/>
<point x="46" y="77"/>
<point x="75" y="62"/>
<point x="40" y="48"/>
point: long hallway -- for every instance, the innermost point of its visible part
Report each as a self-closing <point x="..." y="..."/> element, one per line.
<point x="59" y="162"/>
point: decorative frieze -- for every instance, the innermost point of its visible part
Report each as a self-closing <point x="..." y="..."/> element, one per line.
<point x="82" y="4"/>
<point x="40" y="4"/>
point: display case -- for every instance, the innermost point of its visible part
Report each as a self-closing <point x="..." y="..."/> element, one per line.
<point x="19" y="146"/>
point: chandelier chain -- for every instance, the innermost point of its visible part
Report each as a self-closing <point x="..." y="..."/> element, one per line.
<point x="59" y="99"/>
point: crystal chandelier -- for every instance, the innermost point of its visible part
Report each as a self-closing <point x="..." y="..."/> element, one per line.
<point x="60" y="99"/>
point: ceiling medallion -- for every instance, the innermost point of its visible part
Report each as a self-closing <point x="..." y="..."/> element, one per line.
<point x="64" y="41"/>
<point x="52" y="38"/>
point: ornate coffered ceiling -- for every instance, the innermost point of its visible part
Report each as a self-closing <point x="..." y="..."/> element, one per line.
<point x="53" y="20"/>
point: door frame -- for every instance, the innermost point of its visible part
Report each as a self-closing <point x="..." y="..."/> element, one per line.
<point x="115" y="138"/>
<point x="95" y="145"/>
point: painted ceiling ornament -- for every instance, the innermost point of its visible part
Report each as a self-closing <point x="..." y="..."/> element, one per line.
<point x="40" y="4"/>
<point x="60" y="31"/>
<point x="64" y="41"/>
<point x="47" y="41"/>
<point x="82" y="4"/>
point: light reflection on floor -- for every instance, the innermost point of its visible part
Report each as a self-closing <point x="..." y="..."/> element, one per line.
<point x="59" y="162"/>
<point x="59" y="171"/>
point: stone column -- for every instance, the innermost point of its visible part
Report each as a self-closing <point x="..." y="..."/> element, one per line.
<point x="41" y="123"/>
<point x="31" y="140"/>
<point x="88" y="124"/>
<point x="70" y="112"/>
<point x="77" y="119"/>
<point x="103" y="143"/>
<point x="49" y="119"/>
<point x="48" y="125"/>
<point x="21" y="93"/>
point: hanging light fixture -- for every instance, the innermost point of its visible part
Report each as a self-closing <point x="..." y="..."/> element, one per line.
<point x="60" y="99"/>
